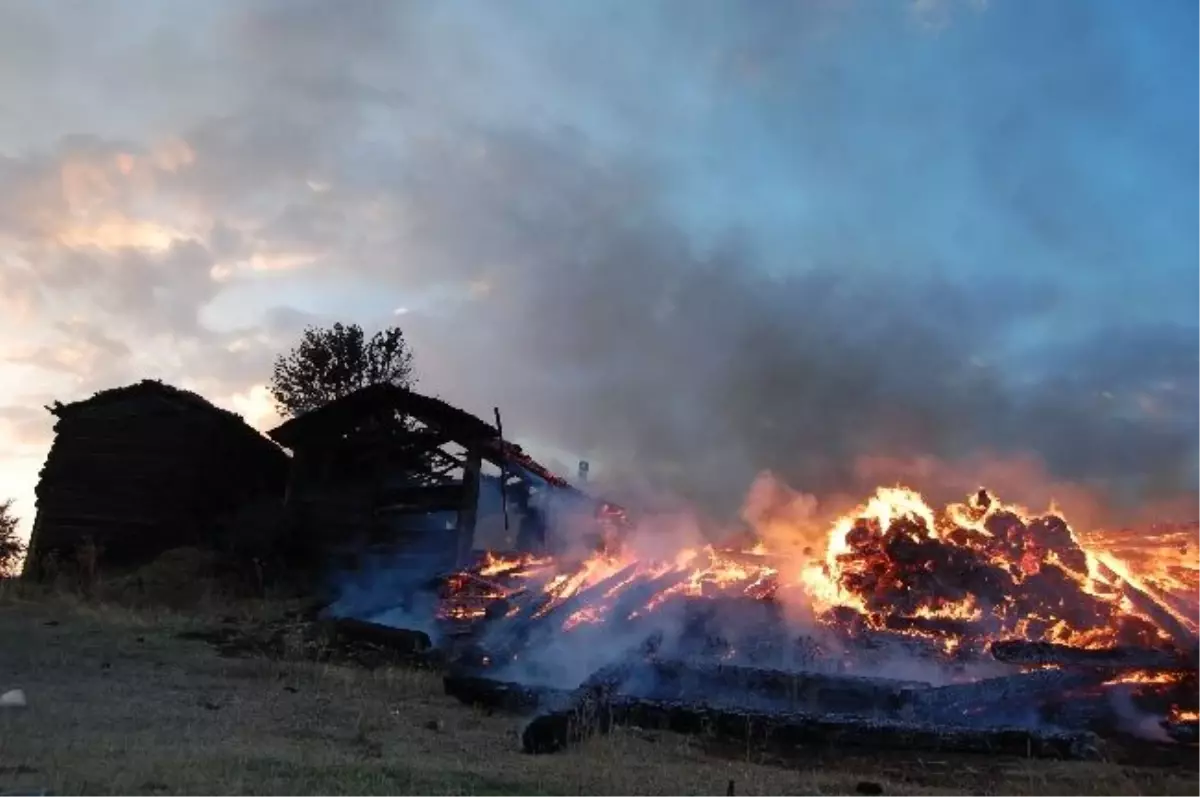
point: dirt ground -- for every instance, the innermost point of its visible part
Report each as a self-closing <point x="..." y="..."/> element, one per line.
<point x="117" y="703"/>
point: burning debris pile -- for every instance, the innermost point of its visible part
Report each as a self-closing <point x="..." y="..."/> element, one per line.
<point x="981" y="627"/>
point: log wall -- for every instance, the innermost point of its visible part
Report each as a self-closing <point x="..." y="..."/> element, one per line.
<point x="143" y="475"/>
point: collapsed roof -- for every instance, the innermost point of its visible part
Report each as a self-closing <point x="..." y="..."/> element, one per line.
<point x="447" y="423"/>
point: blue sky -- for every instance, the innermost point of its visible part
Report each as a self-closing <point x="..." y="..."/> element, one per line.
<point x="688" y="240"/>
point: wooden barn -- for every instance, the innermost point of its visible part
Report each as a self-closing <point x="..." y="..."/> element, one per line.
<point x="145" y="468"/>
<point x="386" y="469"/>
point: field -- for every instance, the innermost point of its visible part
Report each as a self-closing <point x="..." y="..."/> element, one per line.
<point x="118" y="703"/>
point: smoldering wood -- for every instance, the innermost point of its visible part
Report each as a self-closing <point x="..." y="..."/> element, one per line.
<point x="493" y="586"/>
<point x="1182" y="732"/>
<point x="779" y="689"/>
<point x="559" y="612"/>
<point x="942" y="626"/>
<point x="1113" y="658"/>
<point x="565" y="720"/>
<point x="869" y="646"/>
<point x="915" y="717"/>
<point x="1112" y="711"/>
<point x="813" y="693"/>
<point x="672" y="680"/>
<point x="400" y="640"/>
<point x="516" y="562"/>
<point x="958" y="702"/>
<point x="499" y="695"/>
<point x="635" y="597"/>
<point x="588" y="713"/>
<point x="537" y="612"/>
<point x="784" y="733"/>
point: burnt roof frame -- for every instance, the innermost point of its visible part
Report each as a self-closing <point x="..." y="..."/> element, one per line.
<point x="458" y="425"/>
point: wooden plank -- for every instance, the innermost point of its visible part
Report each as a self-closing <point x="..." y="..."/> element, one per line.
<point x="468" y="508"/>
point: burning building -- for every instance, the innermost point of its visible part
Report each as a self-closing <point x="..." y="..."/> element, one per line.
<point x="387" y="475"/>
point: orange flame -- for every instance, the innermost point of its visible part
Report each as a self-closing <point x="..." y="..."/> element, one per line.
<point x="974" y="572"/>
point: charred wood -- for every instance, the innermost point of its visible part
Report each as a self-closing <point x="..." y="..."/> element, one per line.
<point x="674" y="680"/>
<point x="1115" y="711"/>
<point x="400" y="640"/>
<point x="769" y="688"/>
<point x="507" y="696"/>
<point x="1182" y="732"/>
<point x="785" y="732"/>
<point x="561" y="611"/>
<point x="870" y="646"/>
<point x="961" y="702"/>
<point x="1114" y="658"/>
<point x="584" y="712"/>
<point x="537" y="611"/>
<point x="941" y="626"/>
<point x="636" y="597"/>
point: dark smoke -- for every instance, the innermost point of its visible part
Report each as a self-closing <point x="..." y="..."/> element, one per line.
<point x="695" y="370"/>
<point x="694" y="246"/>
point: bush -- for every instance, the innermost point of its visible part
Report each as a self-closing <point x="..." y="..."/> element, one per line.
<point x="12" y="547"/>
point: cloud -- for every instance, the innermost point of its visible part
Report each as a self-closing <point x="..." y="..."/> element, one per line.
<point x="26" y="426"/>
<point x="685" y="246"/>
<point x="257" y="407"/>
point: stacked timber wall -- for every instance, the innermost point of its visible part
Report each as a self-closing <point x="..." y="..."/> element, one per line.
<point x="140" y="470"/>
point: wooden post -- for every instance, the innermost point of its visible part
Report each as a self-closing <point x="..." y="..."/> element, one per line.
<point x="465" y="528"/>
<point x="295" y="480"/>
<point x="503" y="470"/>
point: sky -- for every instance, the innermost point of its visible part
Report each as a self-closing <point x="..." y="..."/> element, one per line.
<point x="688" y="241"/>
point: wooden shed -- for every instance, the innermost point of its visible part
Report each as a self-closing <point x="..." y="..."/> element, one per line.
<point x="145" y="468"/>
<point x="386" y="469"/>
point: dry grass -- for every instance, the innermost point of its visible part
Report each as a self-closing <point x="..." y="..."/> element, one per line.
<point x="118" y="704"/>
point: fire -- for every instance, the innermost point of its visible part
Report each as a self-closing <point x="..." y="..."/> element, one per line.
<point x="975" y="572"/>
<point x="1140" y="677"/>
<point x="1029" y="574"/>
<point x="973" y="581"/>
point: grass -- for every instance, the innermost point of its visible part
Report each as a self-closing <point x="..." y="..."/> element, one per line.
<point x="118" y="704"/>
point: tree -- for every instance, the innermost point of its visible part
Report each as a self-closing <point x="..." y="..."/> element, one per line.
<point x="12" y="547"/>
<point x="332" y="362"/>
